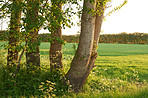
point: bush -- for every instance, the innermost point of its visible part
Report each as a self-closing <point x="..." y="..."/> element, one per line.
<point x="31" y="83"/>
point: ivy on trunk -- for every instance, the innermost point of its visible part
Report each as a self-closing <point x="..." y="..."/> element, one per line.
<point x="32" y="51"/>
<point x="56" y="36"/>
<point x="14" y="33"/>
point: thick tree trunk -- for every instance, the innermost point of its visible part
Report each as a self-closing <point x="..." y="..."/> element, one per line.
<point x="56" y="36"/>
<point x="79" y="67"/>
<point x="32" y="51"/>
<point x="14" y="34"/>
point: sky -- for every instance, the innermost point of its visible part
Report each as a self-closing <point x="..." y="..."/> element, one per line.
<point x="132" y="17"/>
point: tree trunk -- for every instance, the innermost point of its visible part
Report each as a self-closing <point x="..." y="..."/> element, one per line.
<point x="56" y="36"/>
<point x="14" y="34"/>
<point x="32" y="51"/>
<point x="79" y="67"/>
<point x="98" y="24"/>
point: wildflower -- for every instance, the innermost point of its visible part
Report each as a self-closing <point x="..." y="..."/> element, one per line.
<point x="55" y="90"/>
<point x="68" y="82"/>
<point x="53" y="95"/>
<point x="15" y="85"/>
<point x="70" y="85"/>
<point x="10" y="74"/>
<point x="114" y="86"/>
<point x="53" y="83"/>
<point x="48" y="81"/>
<point x="50" y="88"/>
<point x="42" y="89"/>
<point x="42" y="82"/>
<point x="40" y="86"/>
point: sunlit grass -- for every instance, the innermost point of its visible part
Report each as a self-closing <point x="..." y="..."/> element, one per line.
<point x="113" y="66"/>
<point x="121" y="70"/>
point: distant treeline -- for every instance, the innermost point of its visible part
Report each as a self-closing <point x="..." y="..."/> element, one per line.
<point x="121" y="38"/>
<point x="125" y="38"/>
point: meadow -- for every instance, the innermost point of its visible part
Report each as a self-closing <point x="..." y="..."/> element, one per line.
<point x="121" y="70"/>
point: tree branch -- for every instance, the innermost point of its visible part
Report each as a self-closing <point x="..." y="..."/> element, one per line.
<point x="117" y="8"/>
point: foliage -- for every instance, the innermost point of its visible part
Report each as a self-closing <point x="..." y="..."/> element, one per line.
<point x="31" y="83"/>
<point x="3" y="35"/>
<point x="125" y="38"/>
<point x="44" y="19"/>
<point x="28" y="82"/>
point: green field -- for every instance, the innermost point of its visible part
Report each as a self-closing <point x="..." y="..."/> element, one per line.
<point x="106" y="49"/>
<point x="121" y="70"/>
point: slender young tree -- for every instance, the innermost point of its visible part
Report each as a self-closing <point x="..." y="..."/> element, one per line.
<point x="32" y="51"/>
<point x="56" y="35"/>
<point x="14" y="33"/>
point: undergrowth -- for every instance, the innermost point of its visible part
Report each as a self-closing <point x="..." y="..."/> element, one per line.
<point x="32" y="83"/>
<point x="35" y="83"/>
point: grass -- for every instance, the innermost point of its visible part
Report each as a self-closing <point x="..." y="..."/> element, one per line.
<point x="121" y="71"/>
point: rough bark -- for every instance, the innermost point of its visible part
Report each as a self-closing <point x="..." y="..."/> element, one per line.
<point x="56" y="36"/>
<point x="79" y="66"/>
<point x="14" y="34"/>
<point x="32" y="51"/>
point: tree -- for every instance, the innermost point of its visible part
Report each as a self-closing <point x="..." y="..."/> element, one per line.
<point x="32" y="27"/>
<point x="14" y="32"/>
<point x="78" y="71"/>
<point x="83" y="61"/>
<point x="56" y="35"/>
